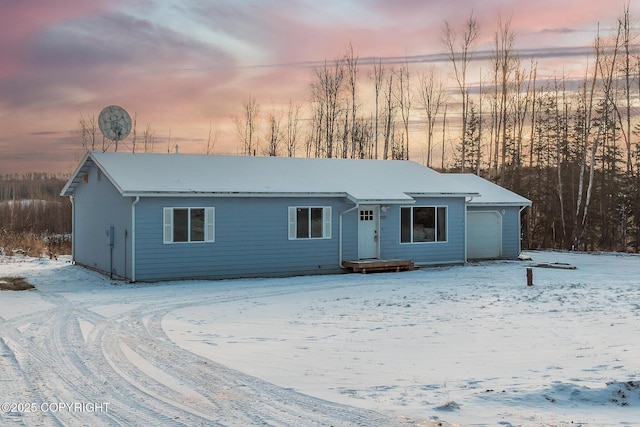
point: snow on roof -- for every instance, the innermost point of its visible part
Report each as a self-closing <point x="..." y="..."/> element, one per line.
<point x="490" y="193"/>
<point x="364" y="181"/>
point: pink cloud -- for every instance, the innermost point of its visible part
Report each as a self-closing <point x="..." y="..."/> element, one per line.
<point x="21" y="21"/>
<point x="70" y="57"/>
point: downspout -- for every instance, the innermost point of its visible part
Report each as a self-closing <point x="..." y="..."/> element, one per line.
<point x="340" y="233"/>
<point x="73" y="230"/>
<point x="133" y="238"/>
<point x="111" y="245"/>
<point x="520" y="229"/>
<point x="466" y="205"/>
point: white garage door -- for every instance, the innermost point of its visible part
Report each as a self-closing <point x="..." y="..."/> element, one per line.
<point x="484" y="236"/>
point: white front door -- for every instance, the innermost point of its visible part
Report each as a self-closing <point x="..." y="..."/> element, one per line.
<point x="368" y="224"/>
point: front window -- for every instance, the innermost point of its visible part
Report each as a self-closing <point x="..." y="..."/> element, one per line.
<point x="183" y="225"/>
<point x="309" y="222"/>
<point x="421" y="224"/>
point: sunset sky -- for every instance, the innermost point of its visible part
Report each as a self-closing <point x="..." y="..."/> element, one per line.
<point x="185" y="66"/>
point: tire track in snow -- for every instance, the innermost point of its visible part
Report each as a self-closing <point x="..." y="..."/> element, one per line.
<point x="13" y="384"/>
<point x="54" y="345"/>
<point x="94" y="378"/>
<point x="61" y="367"/>
<point x="71" y="353"/>
<point x="145" y="388"/>
<point x="267" y="403"/>
<point x="25" y="370"/>
<point x="230" y="396"/>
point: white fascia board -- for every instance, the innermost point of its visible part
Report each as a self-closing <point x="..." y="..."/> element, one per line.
<point x="385" y="201"/>
<point x="70" y="182"/>
<point x="381" y="201"/>
<point x="444" y="194"/>
<point x="489" y="204"/>
<point x="220" y="194"/>
<point x="74" y="180"/>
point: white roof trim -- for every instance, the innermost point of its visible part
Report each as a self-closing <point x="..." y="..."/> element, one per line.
<point x="490" y="194"/>
<point x="228" y="194"/>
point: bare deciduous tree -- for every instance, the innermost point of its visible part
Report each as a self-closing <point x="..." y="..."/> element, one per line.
<point x="351" y="65"/>
<point x="247" y="126"/>
<point x="433" y="95"/>
<point x="293" y="128"/>
<point x="403" y="96"/>
<point x="583" y="200"/>
<point x="378" y="77"/>
<point x="211" y="140"/>
<point x="274" y="135"/>
<point x="135" y="133"/>
<point x="88" y="132"/>
<point x="626" y="39"/>
<point x="505" y="64"/>
<point x="459" y="49"/>
<point x="149" y="138"/>
<point x="326" y="92"/>
<point x="388" y="115"/>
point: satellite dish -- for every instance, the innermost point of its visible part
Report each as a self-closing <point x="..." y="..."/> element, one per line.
<point x="114" y="123"/>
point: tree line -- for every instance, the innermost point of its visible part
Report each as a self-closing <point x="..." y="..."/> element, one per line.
<point x="34" y="218"/>
<point x="570" y="144"/>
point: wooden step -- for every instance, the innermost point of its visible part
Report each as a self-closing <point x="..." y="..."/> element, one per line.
<point x="377" y="265"/>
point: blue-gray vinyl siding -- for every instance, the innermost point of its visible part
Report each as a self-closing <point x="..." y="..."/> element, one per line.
<point x="251" y="239"/>
<point x="98" y="206"/>
<point x="451" y="251"/>
<point x="252" y="235"/>
<point x="510" y="227"/>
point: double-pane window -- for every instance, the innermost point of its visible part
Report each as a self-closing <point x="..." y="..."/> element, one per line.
<point x="420" y="224"/>
<point x="183" y="225"/>
<point x="309" y="222"/>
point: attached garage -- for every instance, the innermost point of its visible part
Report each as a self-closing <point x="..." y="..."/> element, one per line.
<point x="484" y="235"/>
<point x="492" y="220"/>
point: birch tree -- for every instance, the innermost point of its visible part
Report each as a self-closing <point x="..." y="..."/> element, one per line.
<point x="388" y="115"/>
<point x="432" y="97"/>
<point x="504" y="67"/>
<point x="211" y="140"/>
<point x="403" y="101"/>
<point x="582" y="206"/>
<point x="351" y="65"/>
<point x="148" y="138"/>
<point x="292" y="130"/>
<point x="326" y="92"/>
<point x="274" y="135"/>
<point x="459" y="49"/>
<point x="135" y="133"/>
<point x="88" y="132"/>
<point x="247" y="126"/>
<point x="378" y="78"/>
<point x="624" y="112"/>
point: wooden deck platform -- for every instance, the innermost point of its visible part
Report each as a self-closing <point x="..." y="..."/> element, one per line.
<point x="377" y="265"/>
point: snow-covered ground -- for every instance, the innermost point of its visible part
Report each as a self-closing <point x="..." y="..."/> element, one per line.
<point x="470" y="345"/>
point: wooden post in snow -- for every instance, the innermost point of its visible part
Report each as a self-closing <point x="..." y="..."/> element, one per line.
<point x="529" y="276"/>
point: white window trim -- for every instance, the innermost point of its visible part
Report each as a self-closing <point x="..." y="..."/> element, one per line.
<point x="209" y="225"/>
<point x="436" y="241"/>
<point x="293" y="222"/>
